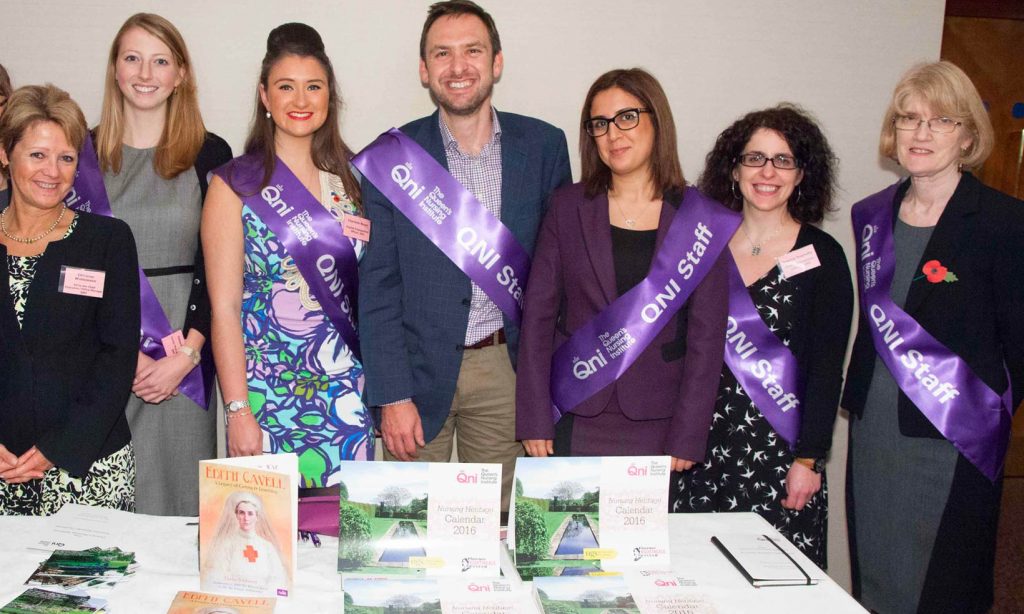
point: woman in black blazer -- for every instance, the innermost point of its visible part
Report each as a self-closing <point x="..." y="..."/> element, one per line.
<point x="776" y="167"/>
<point x="69" y="322"/>
<point x="922" y="516"/>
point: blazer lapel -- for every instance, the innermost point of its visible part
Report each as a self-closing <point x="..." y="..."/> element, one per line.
<point x="668" y="212"/>
<point x="429" y="137"/>
<point x="949" y="235"/>
<point x="513" y="165"/>
<point x="44" y="285"/>
<point x="597" y="238"/>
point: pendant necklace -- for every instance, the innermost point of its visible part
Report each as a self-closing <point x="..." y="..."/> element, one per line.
<point x="756" y="248"/>
<point x="630" y="221"/>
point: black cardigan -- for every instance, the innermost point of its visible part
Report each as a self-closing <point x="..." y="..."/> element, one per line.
<point x="66" y="376"/>
<point x="215" y="152"/>
<point x="980" y="317"/>
<point x="820" y="332"/>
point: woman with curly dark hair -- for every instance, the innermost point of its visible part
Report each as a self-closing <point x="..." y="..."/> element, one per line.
<point x="777" y="401"/>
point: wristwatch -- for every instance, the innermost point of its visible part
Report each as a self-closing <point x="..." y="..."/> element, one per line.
<point x="235" y="408"/>
<point x="817" y="465"/>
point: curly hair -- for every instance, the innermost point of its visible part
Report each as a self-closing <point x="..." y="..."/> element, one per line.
<point x="805" y="139"/>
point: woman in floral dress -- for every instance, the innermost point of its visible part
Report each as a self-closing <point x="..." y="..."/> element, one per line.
<point x="290" y="381"/>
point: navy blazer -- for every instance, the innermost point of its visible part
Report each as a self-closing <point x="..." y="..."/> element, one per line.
<point x="413" y="301"/>
<point x="66" y="375"/>
<point x="675" y="377"/>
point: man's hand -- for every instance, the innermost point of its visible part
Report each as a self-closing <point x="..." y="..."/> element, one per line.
<point x="402" y="430"/>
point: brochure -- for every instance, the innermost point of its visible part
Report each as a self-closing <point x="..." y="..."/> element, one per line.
<point x="420" y="518"/>
<point x="248" y="524"/>
<point x="667" y="592"/>
<point x="368" y="594"/>
<point x="763" y="560"/>
<point x="94" y="570"/>
<point x="580" y="515"/>
<point x="190" y="602"/>
<point x="584" y="595"/>
<point x="39" y="601"/>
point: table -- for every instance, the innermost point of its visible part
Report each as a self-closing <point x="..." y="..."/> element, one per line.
<point x="167" y="552"/>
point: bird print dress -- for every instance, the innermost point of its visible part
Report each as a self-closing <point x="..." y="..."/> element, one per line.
<point x="747" y="461"/>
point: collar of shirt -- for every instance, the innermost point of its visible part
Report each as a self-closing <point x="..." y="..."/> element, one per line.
<point x="451" y="146"/>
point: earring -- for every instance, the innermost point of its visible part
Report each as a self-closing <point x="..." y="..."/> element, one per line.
<point x="733" y="190"/>
<point x="268" y="114"/>
<point x="799" y="193"/>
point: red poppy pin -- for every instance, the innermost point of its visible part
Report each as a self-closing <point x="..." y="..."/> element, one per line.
<point x="937" y="273"/>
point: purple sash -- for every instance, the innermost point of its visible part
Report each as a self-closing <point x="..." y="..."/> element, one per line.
<point x="601" y="350"/>
<point x="762" y="364"/>
<point x="450" y="216"/>
<point x="962" y="407"/>
<point x="90" y="195"/>
<point x="322" y="253"/>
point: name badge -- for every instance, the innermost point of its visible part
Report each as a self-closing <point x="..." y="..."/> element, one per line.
<point x="81" y="282"/>
<point x="799" y="261"/>
<point x="356" y="227"/>
<point x="173" y="342"/>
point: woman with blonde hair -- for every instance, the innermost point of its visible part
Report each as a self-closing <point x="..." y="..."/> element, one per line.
<point x="69" y="322"/>
<point x="5" y="93"/>
<point x="155" y="154"/>
<point x="939" y="342"/>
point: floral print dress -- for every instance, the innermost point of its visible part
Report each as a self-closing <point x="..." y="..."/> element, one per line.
<point x="305" y="385"/>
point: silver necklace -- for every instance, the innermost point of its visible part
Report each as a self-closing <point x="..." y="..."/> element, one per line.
<point x="3" y="227"/>
<point x="755" y="248"/>
<point x="630" y="221"/>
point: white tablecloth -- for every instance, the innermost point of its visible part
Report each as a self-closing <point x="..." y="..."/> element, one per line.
<point x="167" y="552"/>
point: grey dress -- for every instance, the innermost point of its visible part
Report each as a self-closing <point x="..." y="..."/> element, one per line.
<point x="901" y="483"/>
<point x="171" y="437"/>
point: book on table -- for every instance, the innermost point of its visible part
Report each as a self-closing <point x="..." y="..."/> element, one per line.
<point x="764" y="560"/>
<point x="248" y="521"/>
<point x="194" y="602"/>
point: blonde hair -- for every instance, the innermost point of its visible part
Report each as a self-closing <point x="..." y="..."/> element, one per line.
<point x="31" y="104"/>
<point x="184" y="132"/>
<point x="950" y="93"/>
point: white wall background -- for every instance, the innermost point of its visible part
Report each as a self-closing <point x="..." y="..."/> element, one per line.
<point x="717" y="60"/>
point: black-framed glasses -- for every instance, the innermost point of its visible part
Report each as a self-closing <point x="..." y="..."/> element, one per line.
<point x="626" y="119"/>
<point x="941" y="125"/>
<point x="757" y="159"/>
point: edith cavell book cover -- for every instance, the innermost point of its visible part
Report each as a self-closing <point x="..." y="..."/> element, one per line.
<point x="247" y="525"/>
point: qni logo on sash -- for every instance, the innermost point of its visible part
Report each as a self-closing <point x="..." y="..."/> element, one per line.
<point x="973" y="417"/>
<point x="762" y="364"/>
<point x="324" y="256"/>
<point x="450" y="216"/>
<point x="88" y="194"/>
<point x="600" y="351"/>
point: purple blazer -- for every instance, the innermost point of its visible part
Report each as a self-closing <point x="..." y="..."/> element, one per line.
<point x="677" y="375"/>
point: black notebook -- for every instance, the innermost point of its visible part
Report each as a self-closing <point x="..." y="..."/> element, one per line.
<point x="763" y="561"/>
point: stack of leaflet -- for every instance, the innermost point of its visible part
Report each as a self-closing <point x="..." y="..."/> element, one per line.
<point x="643" y="592"/>
<point x="76" y="571"/>
<point x="50" y="602"/>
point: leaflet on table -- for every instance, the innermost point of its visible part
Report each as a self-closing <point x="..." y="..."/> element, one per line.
<point x="647" y="592"/>
<point x="578" y="515"/>
<point x="370" y="594"/>
<point x="247" y="524"/>
<point x="420" y="518"/>
<point x="192" y="602"/>
<point x="37" y="600"/>
<point x="79" y="527"/>
<point x="766" y="561"/>
<point x="93" y="570"/>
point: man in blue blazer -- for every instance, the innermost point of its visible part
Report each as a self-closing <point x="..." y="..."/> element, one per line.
<point x="438" y="354"/>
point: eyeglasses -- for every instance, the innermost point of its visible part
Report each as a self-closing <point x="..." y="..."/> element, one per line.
<point x="626" y="119"/>
<point x="756" y="159"/>
<point x="941" y="125"/>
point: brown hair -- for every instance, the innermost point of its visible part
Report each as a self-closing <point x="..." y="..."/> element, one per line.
<point x="5" y="83"/>
<point x="949" y="92"/>
<point x="329" y="151"/>
<point x="666" y="172"/>
<point x="32" y="104"/>
<point x="456" y="8"/>
<point x="184" y="132"/>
